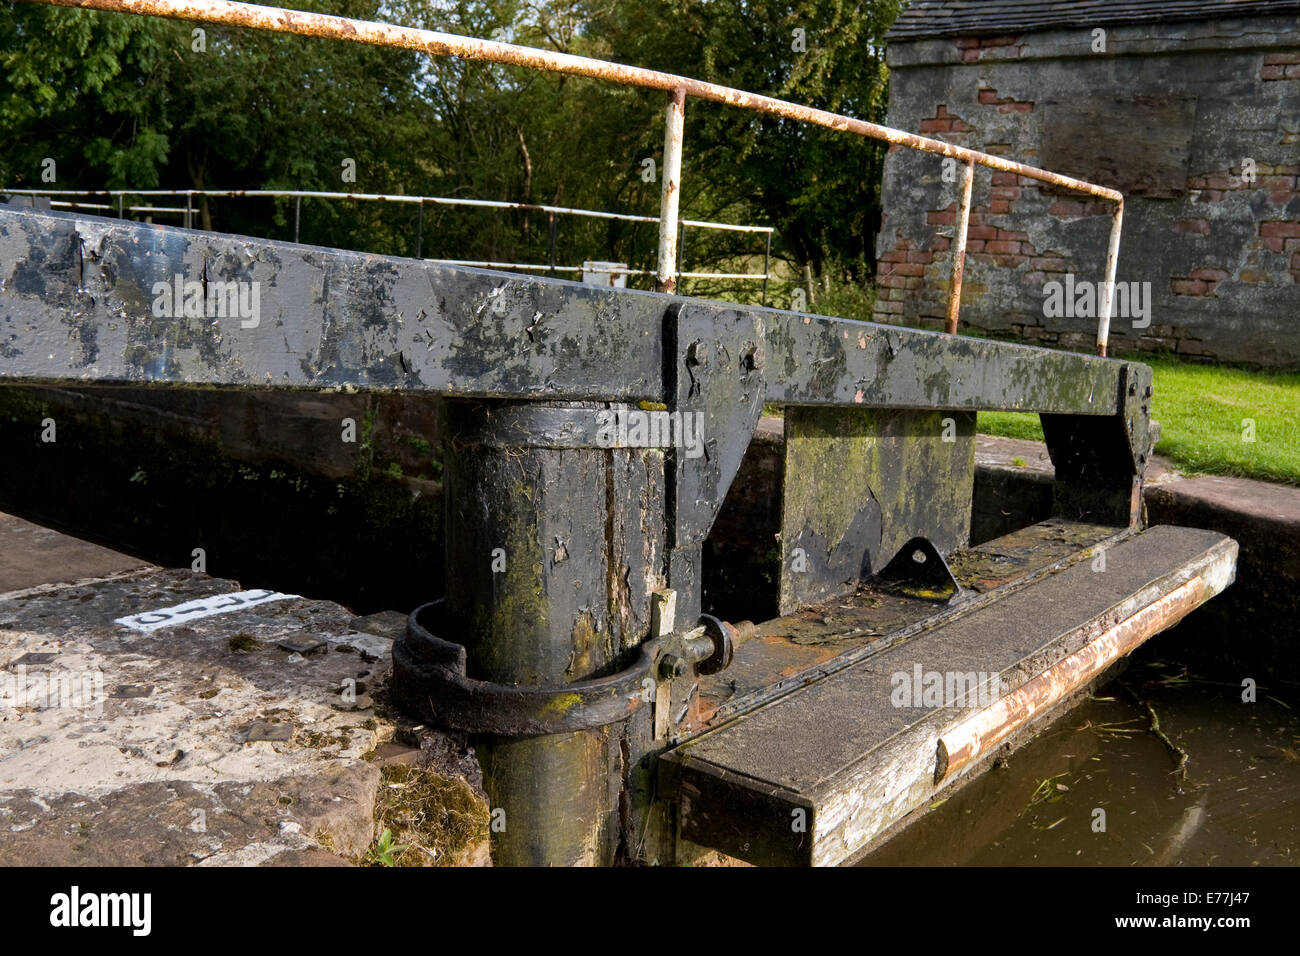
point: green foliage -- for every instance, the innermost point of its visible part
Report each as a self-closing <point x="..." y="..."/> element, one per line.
<point x="818" y="187"/>
<point x="385" y="851"/>
<point x="121" y="101"/>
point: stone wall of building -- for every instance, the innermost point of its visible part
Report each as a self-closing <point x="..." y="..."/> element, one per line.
<point x="1175" y="116"/>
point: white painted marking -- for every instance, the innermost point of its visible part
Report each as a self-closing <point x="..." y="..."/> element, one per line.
<point x="204" y="607"/>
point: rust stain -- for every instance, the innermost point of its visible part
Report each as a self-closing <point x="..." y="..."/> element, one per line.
<point x="985" y="729"/>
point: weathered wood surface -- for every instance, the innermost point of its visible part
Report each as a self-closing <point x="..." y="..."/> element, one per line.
<point x="793" y="650"/>
<point x="80" y="302"/>
<point x="844" y="759"/>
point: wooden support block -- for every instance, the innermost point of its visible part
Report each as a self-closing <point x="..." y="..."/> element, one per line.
<point x="859" y="483"/>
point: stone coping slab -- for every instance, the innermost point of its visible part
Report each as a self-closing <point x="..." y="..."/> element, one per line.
<point x="208" y="741"/>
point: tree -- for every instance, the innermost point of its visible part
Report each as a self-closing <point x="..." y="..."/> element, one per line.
<point x="122" y="101"/>
<point x="138" y="102"/>
<point x="821" y="189"/>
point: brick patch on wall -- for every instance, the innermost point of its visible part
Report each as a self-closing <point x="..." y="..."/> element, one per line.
<point x="1282" y="236"/>
<point x="974" y="49"/>
<point x="1277" y="66"/>
<point x="1077" y="209"/>
<point x="1005" y="104"/>
<point x="945" y="122"/>
<point x="1003" y="247"/>
<point x="1196" y="227"/>
<point x="1279" y="181"/>
<point x="900" y="271"/>
<point x="1188" y="286"/>
<point x="1202" y="282"/>
<point x="1282" y="184"/>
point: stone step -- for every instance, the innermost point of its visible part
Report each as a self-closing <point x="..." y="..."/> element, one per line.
<point x="32" y="555"/>
<point x="165" y="717"/>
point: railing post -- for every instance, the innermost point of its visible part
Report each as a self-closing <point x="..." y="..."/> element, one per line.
<point x="297" y="216"/>
<point x="419" y="231"/>
<point x="959" y="247"/>
<point x="1108" y="287"/>
<point x="666" y="277"/>
<point x="550" y="243"/>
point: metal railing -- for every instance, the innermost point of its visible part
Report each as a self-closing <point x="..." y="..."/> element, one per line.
<point x="678" y="88"/>
<point x="298" y="195"/>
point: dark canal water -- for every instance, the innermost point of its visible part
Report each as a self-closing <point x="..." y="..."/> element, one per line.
<point x="1239" y="804"/>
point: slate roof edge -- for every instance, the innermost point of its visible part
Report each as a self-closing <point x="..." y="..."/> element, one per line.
<point x="1093" y="19"/>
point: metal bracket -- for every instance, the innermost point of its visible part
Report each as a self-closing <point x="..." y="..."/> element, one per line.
<point x="1100" y="459"/>
<point x="919" y="571"/>
<point x="430" y="681"/>
<point x="714" y="371"/>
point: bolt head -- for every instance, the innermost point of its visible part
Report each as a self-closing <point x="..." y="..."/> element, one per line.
<point x="671" y="666"/>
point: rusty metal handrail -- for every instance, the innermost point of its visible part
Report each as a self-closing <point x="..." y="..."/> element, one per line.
<point x="228" y="13"/>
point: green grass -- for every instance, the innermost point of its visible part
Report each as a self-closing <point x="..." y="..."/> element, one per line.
<point x="1010" y="425"/>
<point x="1204" y="412"/>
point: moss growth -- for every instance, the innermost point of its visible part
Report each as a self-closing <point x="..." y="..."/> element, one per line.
<point x="419" y="444"/>
<point x="832" y="457"/>
<point x="515" y="527"/>
<point x="836" y="457"/>
<point x="436" y="819"/>
<point x="563" y="703"/>
<point x="367" y="444"/>
<point x="241" y="643"/>
<point x="317" y="740"/>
